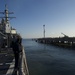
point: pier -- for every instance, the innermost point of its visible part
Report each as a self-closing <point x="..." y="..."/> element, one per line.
<point x="68" y="42"/>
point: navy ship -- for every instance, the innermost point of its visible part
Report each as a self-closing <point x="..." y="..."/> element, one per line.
<point x="7" y="60"/>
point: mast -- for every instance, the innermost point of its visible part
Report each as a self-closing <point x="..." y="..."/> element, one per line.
<point x="5" y="20"/>
<point x="6" y="12"/>
<point x="44" y="30"/>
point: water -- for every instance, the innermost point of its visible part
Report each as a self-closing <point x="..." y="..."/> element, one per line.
<point x="49" y="60"/>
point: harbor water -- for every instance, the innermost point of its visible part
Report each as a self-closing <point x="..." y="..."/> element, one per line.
<point x="45" y="59"/>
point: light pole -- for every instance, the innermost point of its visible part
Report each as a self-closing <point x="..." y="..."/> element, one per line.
<point x="44" y="30"/>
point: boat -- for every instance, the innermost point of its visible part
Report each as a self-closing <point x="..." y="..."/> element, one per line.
<point x="7" y="60"/>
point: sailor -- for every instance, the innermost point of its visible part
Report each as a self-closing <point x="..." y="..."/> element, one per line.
<point x="17" y="49"/>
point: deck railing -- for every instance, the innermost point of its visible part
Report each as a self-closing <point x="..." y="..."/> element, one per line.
<point x="23" y="70"/>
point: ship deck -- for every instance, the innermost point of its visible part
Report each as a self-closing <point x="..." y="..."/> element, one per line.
<point x="6" y="61"/>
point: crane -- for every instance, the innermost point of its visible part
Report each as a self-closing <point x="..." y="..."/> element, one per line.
<point x="64" y="35"/>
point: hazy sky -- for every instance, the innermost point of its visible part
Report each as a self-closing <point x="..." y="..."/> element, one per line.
<point x="57" y="15"/>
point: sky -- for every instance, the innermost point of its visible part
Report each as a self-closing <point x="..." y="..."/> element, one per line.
<point x="57" y="16"/>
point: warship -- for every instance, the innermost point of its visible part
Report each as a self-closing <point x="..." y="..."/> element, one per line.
<point x="7" y="60"/>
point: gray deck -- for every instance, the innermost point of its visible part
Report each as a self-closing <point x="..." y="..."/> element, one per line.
<point x="6" y="61"/>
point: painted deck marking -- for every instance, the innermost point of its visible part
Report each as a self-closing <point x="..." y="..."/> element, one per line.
<point x="11" y="68"/>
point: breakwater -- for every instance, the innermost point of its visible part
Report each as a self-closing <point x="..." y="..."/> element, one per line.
<point x="68" y="42"/>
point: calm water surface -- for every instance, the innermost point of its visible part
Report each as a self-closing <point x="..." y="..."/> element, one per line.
<point x="49" y="60"/>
